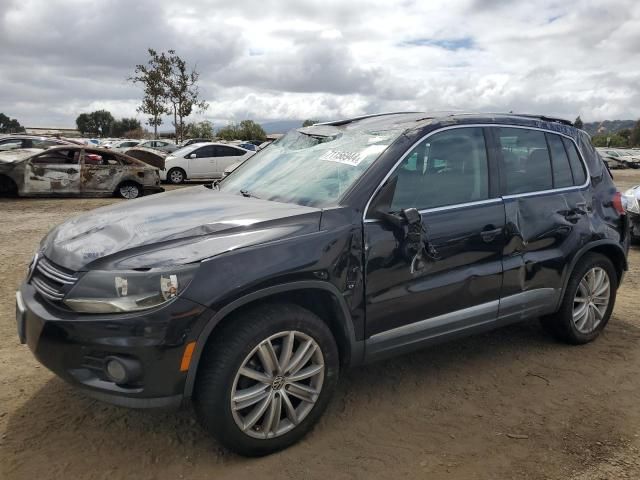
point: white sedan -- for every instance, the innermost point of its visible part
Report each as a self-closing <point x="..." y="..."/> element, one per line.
<point x="201" y="161"/>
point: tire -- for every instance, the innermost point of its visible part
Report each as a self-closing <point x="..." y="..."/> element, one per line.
<point x="236" y="345"/>
<point x="590" y="320"/>
<point x="176" y="176"/>
<point x="130" y="190"/>
<point x="8" y="187"/>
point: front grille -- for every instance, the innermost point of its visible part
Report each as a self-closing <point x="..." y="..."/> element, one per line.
<point x="52" y="281"/>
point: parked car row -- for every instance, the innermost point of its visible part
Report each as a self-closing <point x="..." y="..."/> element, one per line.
<point x="620" y="157"/>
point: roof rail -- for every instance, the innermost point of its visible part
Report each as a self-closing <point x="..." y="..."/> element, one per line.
<point x="545" y="118"/>
<point x="338" y="123"/>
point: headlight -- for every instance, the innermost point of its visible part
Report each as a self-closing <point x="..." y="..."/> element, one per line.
<point x="102" y="291"/>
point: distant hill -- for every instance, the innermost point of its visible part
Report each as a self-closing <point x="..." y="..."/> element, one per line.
<point x="281" y="126"/>
<point x="608" y="126"/>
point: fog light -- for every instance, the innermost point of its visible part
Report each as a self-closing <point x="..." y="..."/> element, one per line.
<point x="122" y="370"/>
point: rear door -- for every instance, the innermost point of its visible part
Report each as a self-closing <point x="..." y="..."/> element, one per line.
<point x="225" y="156"/>
<point x="101" y="171"/>
<point x="547" y="203"/>
<point x="447" y="178"/>
<point x="203" y="165"/>
<point x="55" y="171"/>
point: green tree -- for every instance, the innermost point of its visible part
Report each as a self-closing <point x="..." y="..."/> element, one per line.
<point x="230" y="132"/>
<point x="634" y="138"/>
<point x="308" y="123"/>
<point x="102" y="121"/>
<point x="120" y="127"/>
<point x="154" y="78"/>
<point x="85" y="124"/>
<point x="9" y="125"/>
<point x="609" y="140"/>
<point x="245" y="130"/>
<point x="202" y="129"/>
<point x="578" y="123"/>
<point x="250" y="130"/>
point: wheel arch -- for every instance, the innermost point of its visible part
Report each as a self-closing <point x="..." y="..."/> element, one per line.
<point x="125" y="181"/>
<point x="609" y="249"/>
<point x="321" y="298"/>
<point x="10" y="182"/>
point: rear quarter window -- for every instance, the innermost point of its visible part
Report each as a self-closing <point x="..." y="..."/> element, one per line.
<point x="577" y="167"/>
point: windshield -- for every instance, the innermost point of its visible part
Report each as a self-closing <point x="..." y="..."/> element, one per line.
<point x="181" y="152"/>
<point x="311" y="166"/>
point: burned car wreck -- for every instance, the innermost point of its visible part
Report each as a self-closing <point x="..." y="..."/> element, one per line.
<point x="72" y="170"/>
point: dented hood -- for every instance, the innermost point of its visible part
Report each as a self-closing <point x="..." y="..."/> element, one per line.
<point x="173" y="228"/>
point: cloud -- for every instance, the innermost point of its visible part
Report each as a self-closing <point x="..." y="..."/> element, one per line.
<point x="285" y="59"/>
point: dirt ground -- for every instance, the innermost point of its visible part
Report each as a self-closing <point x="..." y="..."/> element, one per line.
<point x="510" y="404"/>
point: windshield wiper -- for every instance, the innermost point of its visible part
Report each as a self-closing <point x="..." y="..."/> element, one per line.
<point x="248" y="194"/>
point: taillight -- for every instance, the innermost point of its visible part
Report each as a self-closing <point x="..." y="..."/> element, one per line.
<point x="617" y="203"/>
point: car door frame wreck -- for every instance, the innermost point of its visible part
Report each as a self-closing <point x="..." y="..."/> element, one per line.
<point x="74" y="170"/>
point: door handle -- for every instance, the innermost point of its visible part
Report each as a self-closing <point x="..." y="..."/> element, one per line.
<point x="488" y="235"/>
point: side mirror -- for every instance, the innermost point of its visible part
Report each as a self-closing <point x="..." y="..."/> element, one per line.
<point x="193" y="155"/>
<point x="406" y="217"/>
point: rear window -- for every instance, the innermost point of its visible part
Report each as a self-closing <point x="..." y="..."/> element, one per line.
<point x="577" y="167"/>
<point x="562" y="176"/>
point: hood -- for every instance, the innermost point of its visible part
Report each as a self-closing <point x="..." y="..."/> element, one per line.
<point x="173" y="228"/>
<point x="152" y="157"/>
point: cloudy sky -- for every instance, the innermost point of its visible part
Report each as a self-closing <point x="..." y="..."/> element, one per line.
<point x="296" y="59"/>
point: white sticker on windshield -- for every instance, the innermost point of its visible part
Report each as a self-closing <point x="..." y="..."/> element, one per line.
<point x="350" y="158"/>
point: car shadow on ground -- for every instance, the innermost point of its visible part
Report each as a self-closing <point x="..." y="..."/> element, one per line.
<point x="58" y="418"/>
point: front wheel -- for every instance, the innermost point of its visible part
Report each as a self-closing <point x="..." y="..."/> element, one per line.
<point x="266" y="378"/>
<point x="588" y="301"/>
<point x="176" y="176"/>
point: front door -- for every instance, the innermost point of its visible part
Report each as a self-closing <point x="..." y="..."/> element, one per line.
<point x="203" y="163"/>
<point x="56" y="171"/>
<point x="456" y="284"/>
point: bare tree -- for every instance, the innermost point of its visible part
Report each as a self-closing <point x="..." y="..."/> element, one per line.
<point x="153" y="77"/>
<point x="182" y="92"/>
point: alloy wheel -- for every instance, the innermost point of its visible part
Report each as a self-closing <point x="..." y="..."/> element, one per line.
<point x="129" y="191"/>
<point x="591" y="300"/>
<point x="277" y="385"/>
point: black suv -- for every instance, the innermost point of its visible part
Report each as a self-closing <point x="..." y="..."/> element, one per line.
<point x="342" y="243"/>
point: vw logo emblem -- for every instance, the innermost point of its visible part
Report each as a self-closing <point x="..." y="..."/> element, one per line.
<point x="278" y="383"/>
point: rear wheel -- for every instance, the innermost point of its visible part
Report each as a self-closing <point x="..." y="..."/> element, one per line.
<point x="176" y="176"/>
<point x="129" y="190"/>
<point x="266" y="378"/>
<point x="588" y="301"/>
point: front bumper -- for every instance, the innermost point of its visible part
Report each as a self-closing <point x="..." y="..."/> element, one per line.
<point x="75" y="347"/>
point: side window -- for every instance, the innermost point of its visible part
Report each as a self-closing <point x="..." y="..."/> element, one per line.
<point x="577" y="167"/>
<point x="57" y="157"/>
<point x="96" y="157"/>
<point x="204" y="152"/>
<point x="561" y="170"/>
<point x="526" y="165"/>
<point x="224" y="151"/>
<point x="43" y="143"/>
<point x="10" y="144"/>
<point x="448" y="168"/>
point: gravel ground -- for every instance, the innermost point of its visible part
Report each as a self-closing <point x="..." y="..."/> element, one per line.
<point x="508" y="404"/>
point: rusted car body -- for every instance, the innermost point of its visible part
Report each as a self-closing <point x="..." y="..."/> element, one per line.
<point x="73" y="170"/>
<point x="150" y="156"/>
